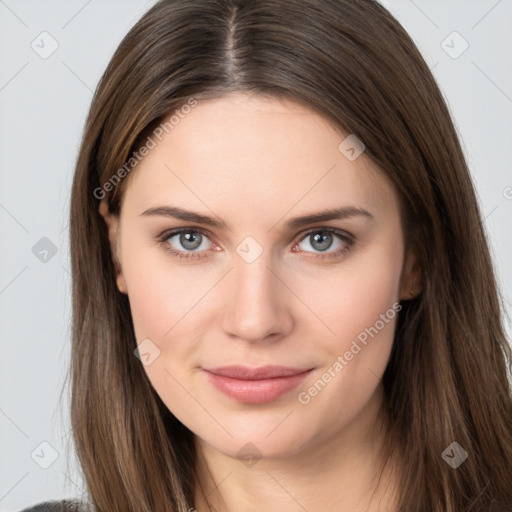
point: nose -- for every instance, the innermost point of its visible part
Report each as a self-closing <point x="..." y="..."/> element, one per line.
<point x="257" y="303"/>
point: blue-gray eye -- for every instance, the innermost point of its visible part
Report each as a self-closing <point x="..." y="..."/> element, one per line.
<point x="189" y="240"/>
<point x="322" y="240"/>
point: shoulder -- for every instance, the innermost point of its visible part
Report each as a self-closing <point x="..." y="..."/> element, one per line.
<point x="57" y="506"/>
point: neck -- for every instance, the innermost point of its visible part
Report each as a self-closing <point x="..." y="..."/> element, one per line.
<point x="344" y="472"/>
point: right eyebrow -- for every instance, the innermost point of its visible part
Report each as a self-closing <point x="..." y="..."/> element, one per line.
<point x="180" y="213"/>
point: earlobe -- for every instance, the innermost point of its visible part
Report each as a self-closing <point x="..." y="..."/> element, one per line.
<point x="411" y="282"/>
<point x="112" y="223"/>
<point x="121" y="283"/>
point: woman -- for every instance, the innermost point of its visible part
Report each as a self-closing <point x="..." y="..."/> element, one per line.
<point x="283" y="297"/>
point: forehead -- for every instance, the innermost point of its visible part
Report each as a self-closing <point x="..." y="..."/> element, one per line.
<point x="254" y="154"/>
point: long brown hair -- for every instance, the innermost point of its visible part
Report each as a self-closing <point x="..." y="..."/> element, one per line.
<point x="353" y="63"/>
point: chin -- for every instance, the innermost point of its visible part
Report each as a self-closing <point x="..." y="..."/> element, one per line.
<point x="259" y="440"/>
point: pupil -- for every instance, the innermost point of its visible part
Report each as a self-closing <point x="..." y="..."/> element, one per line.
<point x="324" y="239"/>
<point x="187" y="240"/>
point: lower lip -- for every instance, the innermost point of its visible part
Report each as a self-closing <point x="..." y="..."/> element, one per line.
<point x="256" y="391"/>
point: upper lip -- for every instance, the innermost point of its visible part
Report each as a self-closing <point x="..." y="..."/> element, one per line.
<point x="262" y="372"/>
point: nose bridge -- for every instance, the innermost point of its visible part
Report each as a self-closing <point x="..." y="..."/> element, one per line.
<point x="255" y="306"/>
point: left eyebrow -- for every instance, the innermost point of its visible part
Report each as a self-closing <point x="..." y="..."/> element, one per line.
<point x="324" y="216"/>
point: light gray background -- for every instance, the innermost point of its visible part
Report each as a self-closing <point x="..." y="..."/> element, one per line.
<point x="43" y="104"/>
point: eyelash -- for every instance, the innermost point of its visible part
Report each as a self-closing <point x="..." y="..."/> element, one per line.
<point x="164" y="238"/>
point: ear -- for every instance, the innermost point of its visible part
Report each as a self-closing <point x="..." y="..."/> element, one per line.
<point x="112" y="222"/>
<point x="411" y="282"/>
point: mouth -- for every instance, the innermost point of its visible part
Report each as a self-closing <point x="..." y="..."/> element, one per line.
<point x="256" y="385"/>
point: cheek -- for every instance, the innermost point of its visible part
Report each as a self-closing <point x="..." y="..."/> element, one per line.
<point x="164" y="301"/>
<point x="353" y="296"/>
<point x="153" y="301"/>
<point x="162" y="296"/>
<point x="361" y="306"/>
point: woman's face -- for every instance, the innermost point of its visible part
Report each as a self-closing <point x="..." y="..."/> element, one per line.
<point x="252" y="285"/>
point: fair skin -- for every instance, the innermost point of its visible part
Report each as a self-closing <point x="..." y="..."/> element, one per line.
<point x="255" y="163"/>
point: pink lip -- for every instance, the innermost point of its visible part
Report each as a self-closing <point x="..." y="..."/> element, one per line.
<point x="255" y="385"/>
